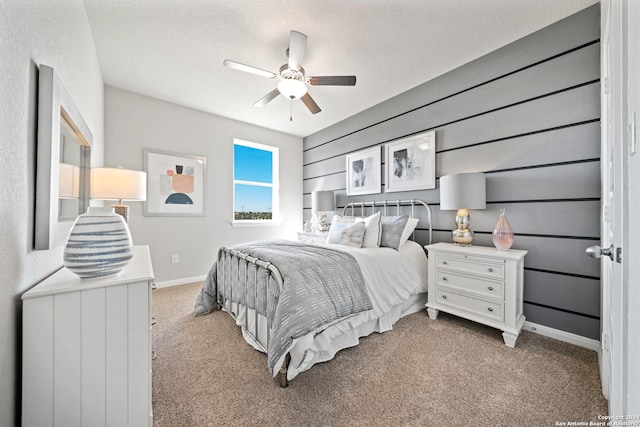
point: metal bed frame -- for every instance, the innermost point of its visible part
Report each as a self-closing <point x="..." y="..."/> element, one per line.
<point x="385" y="204"/>
<point x="230" y="262"/>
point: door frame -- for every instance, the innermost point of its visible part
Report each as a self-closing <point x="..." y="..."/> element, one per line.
<point x="620" y="296"/>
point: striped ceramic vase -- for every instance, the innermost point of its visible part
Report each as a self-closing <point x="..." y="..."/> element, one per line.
<point x="99" y="244"/>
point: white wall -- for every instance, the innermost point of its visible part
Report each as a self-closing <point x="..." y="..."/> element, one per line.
<point x="55" y="33"/>
<point x="134" y="122"/>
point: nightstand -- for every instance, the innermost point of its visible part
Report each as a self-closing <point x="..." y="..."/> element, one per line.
<point x="311" y="237"/>
<point x="478" y="283"/>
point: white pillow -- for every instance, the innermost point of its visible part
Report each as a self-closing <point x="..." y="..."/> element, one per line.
<point x="345" y="219"/>
<point x="408" y="229"/>
<point x="345" y="233"/>
<point x="371" y="225"/>
<point x="372" y="230"/>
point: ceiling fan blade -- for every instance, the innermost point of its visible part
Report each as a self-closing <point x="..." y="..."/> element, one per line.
<point x="297" y="46"/>
<point x="267" y="98"/>
<point x="332" y="81"/>
<point x="249" y="69"/>
<point x="310" y="103"/>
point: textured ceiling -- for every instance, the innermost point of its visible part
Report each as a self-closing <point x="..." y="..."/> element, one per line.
<point x="173" y="50"/>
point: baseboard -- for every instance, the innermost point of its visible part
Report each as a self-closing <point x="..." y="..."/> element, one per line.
<point x="183" y="281"/>
<point x="568" y="337"/>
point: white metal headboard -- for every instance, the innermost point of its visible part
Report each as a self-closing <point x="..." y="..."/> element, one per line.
<point x="389" y="204"/>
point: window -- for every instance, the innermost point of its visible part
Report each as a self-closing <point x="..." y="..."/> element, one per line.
<point x="255" y="182"/>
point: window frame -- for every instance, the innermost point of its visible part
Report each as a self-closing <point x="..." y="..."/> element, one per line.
<point x="275" y="185"/>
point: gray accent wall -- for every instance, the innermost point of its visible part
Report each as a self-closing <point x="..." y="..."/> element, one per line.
<point x="527" y="115"/>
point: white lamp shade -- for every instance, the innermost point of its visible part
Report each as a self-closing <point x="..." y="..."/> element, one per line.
<point x="463" y="191"/>
<point x="322" y="201"/>
<point x="118" y="184"/>
<point x="292" y="88"/>
<point x="68" y="181"/>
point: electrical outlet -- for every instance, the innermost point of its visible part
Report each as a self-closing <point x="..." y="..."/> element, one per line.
<point x="175" y="259"/>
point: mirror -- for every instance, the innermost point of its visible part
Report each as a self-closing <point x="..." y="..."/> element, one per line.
<point x="68" y="177"/>
<point x="63" y="162"/>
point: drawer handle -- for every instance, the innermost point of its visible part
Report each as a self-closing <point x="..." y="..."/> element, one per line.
<point x="490" y="309"/>
<point x="444" y="278"/>
<point x="490" y="288"/>
<point x="444" y="262"/>
<point x="444" y="297"/>
<point x="490" y="270"/>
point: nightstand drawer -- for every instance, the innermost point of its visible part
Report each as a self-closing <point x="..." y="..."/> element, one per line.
<point x="491" y="310"/>
<point x="472" y="284"/>
<point x="472" y="265"/>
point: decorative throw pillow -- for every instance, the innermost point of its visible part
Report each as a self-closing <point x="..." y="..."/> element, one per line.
<point x="371" y="224"/>
<point x="348" y="234"/>
<point x="408" y="229"/>
<point x="392" y="228"/>
<point x="345" y="219"/>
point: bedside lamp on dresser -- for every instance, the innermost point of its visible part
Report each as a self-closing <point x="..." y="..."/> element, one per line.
<point x="461" y="192"/>
<point x="322" y="202"/>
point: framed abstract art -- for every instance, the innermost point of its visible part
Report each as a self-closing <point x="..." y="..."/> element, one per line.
<point x="411" y="163"/>
<point x="363" y="172"/>
<point x="175" y="184"/>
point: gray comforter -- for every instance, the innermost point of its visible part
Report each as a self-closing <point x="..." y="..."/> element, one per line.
<point x="321" y="285"/>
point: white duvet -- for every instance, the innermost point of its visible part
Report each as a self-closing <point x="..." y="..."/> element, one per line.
<point x="397" y="285"/>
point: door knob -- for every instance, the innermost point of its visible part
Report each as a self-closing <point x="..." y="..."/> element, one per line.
<point x="596" y="251"/>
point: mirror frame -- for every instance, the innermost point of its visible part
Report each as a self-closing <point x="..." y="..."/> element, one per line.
<point x="55" y="109"/>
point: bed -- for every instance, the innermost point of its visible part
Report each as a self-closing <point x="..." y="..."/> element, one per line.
<point x="301" y="303"/>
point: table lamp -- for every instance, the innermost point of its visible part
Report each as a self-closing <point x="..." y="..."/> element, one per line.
<point x="461" y="192"/>
<point x="118" y="184"/>
<point x="321" y="203"/>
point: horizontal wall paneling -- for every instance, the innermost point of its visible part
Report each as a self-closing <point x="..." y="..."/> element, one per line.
<point x="528" y="115"/>
<point x="565" y="321"/>
<point x="576" y="294"/>
<point x="462" y="120"/>
<point x="570" y="33"/>
<point x="567" y="144"/>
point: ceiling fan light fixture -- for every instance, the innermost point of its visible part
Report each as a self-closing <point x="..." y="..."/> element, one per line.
<point x="292" y="80"/>
<point x="292" y="88"/>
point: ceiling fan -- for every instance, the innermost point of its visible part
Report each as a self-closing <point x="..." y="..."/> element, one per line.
<point x="292" y="78"/>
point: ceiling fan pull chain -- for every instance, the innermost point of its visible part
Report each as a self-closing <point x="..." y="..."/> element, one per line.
<point x="290" y="111"/>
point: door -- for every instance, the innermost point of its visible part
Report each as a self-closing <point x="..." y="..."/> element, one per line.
<point x="607" y="230"/>
<point x="632" y="266"/>
<point x="619" y="162"/>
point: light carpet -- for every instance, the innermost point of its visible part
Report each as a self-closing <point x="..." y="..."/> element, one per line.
<point x="447" y="372"/>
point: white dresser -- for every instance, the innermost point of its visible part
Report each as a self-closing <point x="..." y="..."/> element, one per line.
<point x="478" y="283"/>
<point x="86" y="354"/>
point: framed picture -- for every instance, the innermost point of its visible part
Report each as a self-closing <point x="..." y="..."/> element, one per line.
<point x="175" y="184"/>
<point x="363" y="172"/>
<point x="411" y="163"/>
